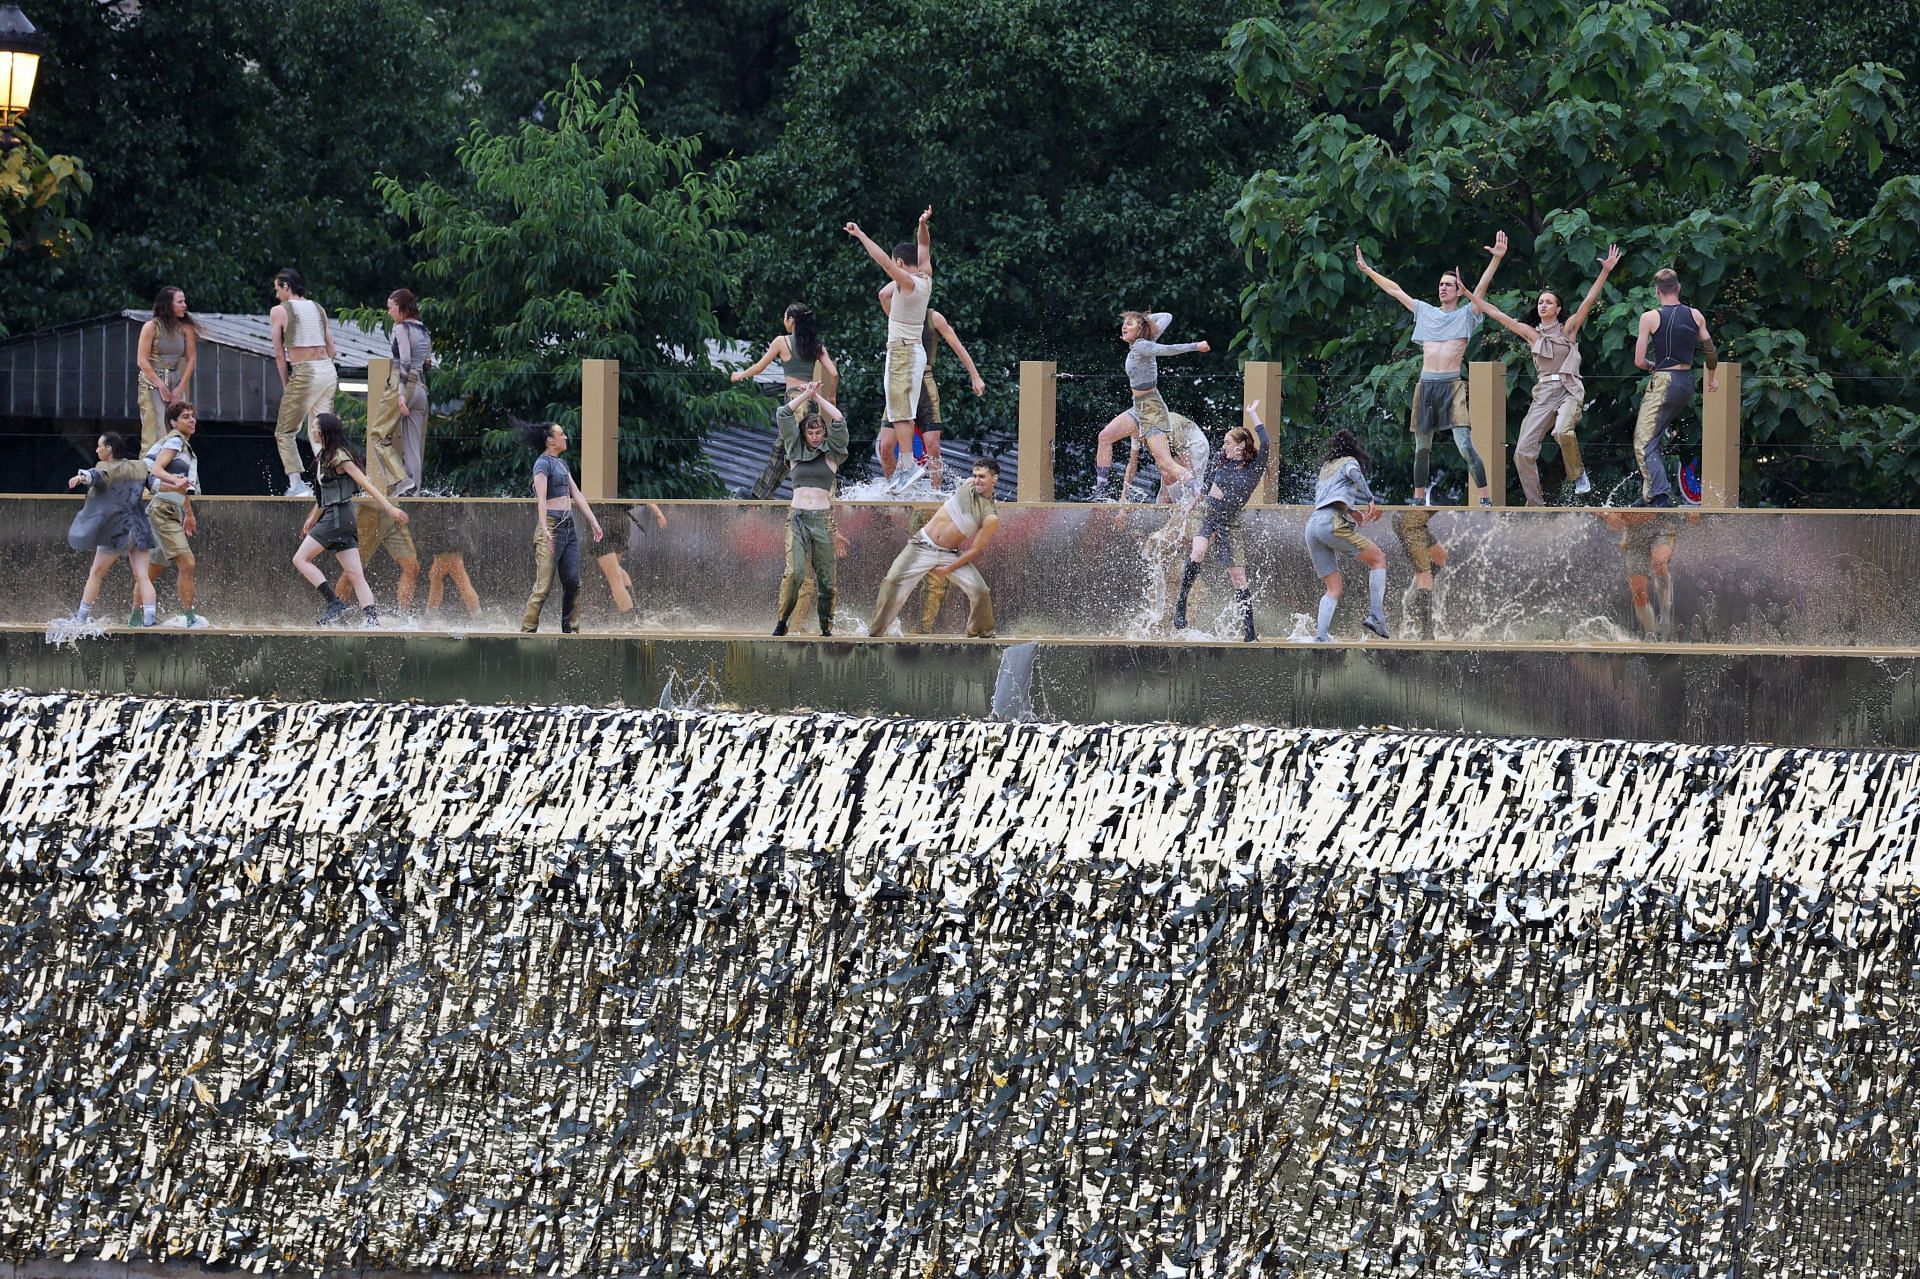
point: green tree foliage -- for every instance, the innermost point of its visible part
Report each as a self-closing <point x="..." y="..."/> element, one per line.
<point x="581" y="238"/>
<point x="40" y="198"/>
<point x="709" y="69"/>
<point x="228" y="138"/>
<point x="1572" y="126"/>
<point x="1080" y="160"/>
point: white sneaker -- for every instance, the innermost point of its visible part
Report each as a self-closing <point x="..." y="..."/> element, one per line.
<point x="297" y="486"/>
<point x="1583" y="485"/>
<point x="907" y="478"/>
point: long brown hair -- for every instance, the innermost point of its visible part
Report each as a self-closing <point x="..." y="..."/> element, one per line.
<point x="163" y="308"/>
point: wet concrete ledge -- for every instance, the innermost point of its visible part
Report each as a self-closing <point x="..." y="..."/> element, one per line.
<point x="1681" y="693"/>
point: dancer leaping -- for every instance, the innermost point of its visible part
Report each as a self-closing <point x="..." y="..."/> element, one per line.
<point x="1148" y="416"/>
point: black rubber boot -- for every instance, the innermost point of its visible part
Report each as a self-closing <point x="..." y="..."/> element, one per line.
<point x="1244" y="601"/>
<point x="824" y="603"/>
<point x="1187" y="574"/>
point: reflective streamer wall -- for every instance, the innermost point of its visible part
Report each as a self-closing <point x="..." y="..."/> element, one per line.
<point x="603" y="992"/>
<point x="1823" y="580"/>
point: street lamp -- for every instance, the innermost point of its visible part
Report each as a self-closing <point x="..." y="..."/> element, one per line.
<point x="20" y="47"/>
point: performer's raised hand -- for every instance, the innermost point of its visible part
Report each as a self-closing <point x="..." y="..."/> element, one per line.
<point x="1499" y="246"/>
<point x="1611" y="260"/>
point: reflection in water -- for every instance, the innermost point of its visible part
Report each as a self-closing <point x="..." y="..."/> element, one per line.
<point x="1770" y="578"/>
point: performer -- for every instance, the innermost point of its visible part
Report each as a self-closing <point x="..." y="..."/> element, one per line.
<point x="377" y="531"/>
<point x="911" y="270"/>
<point x="1559" y="396"/>
<point x="111" y="523"/>
<point x="1333" y="529"/>
<point x="1668" y="337"/>
<point x="330" y="525"/>
<point x="927" y="419"/>
<point x="170" y="513"/>
<point x="1647" y="541"/>
<point x="814" y="434"/>
<point x="1440" y="401"/>
<point x="303" y="353"/>
<point x="1428" y="555"/>
<point x="947" y="547"/>
<point x="556" y="546"/>
<point x="611" y="554"/>
<point x="1190" y="450"/>
<point x="169" y="344"/>
<point x="449" y="534"/>
<point x="803" y="358"/>
<point x="398" y="462"/>
<point x="1148" y="416"/>
<point x="1215" y="520"/>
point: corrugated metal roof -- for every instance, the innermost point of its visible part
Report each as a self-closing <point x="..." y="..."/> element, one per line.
<point x="254" y="333"/>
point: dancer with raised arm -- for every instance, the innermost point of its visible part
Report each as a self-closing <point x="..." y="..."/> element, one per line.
<point x="1559" y="396"/>
<point x="303" y="353"/>
<point x="1147" y="418"/>
<point x="1342" y="502"/>
<point x="1215" y="519"/>
<point x="947" y="547"/>
<point x="910" y="268"/>
<point x="928" y="418"/>
<point x="1440" y="401"/>
<point x="803" y="358"/>
<point x="814" y="433"/>
<point x="331" y="526"/>
<point x="1669" y="336"/>
<point x="168" y="346"/>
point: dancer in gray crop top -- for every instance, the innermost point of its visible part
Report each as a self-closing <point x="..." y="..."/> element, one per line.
<point x="1147" y="419"/>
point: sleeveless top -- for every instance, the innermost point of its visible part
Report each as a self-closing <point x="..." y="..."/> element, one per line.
<point x="1673" y="342"/>
<point x="336" y="487"/>
<point x="169" y="346"/>
<point x="306" y="325"/>
<point x="907" y="314"/>
<point x="798" y="369"/>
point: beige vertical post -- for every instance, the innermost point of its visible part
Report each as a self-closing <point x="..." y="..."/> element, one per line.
<point x="1487" y="414"/>
<point x="1039" y="380"/>
<point x="600" y="429"/>
<point x="1720" y="441"/>
<point x="379" y="397"/>
<point x="1261" y="381"/>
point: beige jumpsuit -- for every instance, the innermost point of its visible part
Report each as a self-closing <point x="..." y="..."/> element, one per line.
<point x="1559" y="398"/>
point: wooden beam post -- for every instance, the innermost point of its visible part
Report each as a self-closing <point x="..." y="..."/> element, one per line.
<point x="1720" y="440"/>
<point x="380" y="400"/>
<point x="1261" y="381"/>
<point x="1039" y="382"/>
<point x="1487" y="415"/>
<point x="600" y="429"/>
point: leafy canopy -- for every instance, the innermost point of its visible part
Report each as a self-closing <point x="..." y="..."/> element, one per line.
<point x="581" y="238"/>
<point x="1572" y="126"/>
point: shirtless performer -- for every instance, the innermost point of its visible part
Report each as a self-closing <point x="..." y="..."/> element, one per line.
<point x="1440" y="402"/>
<point x="947" y="547"/>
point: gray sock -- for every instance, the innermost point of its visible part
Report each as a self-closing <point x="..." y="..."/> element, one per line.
<point x="1377" y="594"/>
<point x="1327" y="604"/>
<point x="151" y="612"/>
<point x="86" y="611"/>
<point x="1644" y="612"/>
